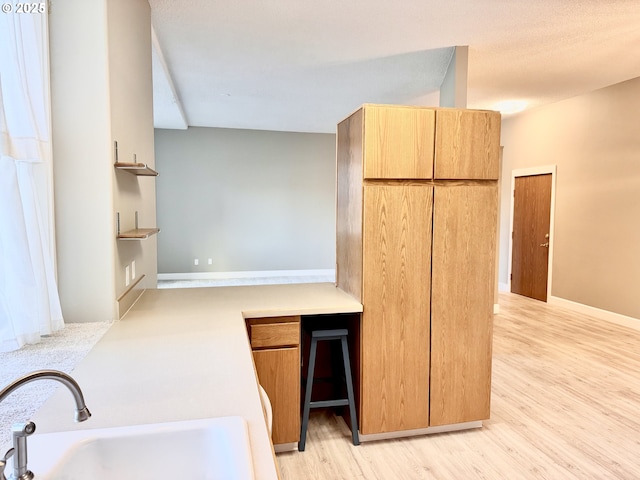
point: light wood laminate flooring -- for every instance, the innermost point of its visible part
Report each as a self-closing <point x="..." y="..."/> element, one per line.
<point x="565" y="405"/>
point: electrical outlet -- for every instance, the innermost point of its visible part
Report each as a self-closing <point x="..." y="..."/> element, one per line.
<point x="196" y="261"/>
<point x="133" y="269"/>
<point x="127" y="280"/>
<point x="210" y="261"/>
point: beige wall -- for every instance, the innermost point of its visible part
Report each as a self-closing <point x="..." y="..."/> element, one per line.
<point x="453" y="91"/>
<point x="81" y="159"/>
<point x="594" y="140"/>
<point x="250" y="200"/>
<point x="131" y="101"/>
<point x="101" y="90"/>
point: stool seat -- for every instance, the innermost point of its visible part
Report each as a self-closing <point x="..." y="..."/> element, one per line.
<point x="320" y="334"/>
<point x="334" y="334"/>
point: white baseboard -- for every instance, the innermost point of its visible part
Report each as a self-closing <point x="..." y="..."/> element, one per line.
<point x="598" y="313"/>
<point x="496" y="308"/>
<point x="254" y="274"/>
<point x="129" y="297"/>
<point x="503" y="287"/>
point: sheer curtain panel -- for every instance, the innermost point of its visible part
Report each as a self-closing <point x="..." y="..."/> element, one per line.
<point x="29" y="302"/>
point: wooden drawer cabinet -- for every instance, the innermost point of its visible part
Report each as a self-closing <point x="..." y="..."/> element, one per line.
<point x="275" y="343"/>
<point x="275" y="334"/>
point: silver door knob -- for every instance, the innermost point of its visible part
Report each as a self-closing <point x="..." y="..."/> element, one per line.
<point x="545" y="244"/>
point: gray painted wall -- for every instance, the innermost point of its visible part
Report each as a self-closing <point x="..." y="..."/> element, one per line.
<point x="593" y="139"/>
<point x="249" y="200"/>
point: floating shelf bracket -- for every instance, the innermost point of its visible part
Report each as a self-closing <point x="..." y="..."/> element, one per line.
<point x="137" y="233"/>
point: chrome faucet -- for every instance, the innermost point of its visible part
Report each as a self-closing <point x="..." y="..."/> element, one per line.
<point x="22" y="430"/>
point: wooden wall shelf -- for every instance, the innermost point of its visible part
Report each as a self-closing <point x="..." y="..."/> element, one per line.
<point x="140" y="169"/>
<point x="138" y="234"/>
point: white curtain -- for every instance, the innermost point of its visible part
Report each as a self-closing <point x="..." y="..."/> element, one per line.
<point x="29" y="302"/>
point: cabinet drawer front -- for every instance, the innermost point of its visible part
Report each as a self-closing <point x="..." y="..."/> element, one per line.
<point x="275" y="334"/>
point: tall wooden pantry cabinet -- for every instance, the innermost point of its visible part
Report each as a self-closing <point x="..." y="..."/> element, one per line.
<point x="416" y="234"/>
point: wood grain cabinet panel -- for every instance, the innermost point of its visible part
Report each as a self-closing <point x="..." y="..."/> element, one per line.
<point x="398" y="142"/>
<point x="349" y="215"/>
<point x="464" y="236"/>
<point x="275" y="334"/>
<point x="278" y="371"/>
<point x="467" y="145"/>
<point x="279" y="374"/>
<point x="418" y="250"/>
<point x="395" y="324"/>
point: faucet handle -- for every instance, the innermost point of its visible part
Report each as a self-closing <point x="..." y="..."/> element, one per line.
<point x="3" y="463"/>
<point x="23" y="429"/>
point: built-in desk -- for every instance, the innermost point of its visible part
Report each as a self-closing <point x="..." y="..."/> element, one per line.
<point x="183" y="354"/>
<point x="280" y="349"/>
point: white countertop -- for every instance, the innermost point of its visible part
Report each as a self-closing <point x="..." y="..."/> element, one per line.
<point x="182" y="354"/>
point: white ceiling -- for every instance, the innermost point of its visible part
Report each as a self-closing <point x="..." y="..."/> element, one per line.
<point x="301" y="65"/>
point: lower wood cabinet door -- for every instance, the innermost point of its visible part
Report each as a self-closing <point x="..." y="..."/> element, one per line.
<point x="279" y="374"/>
<point x="464" y="231"/>
<point x="394" y="335"/>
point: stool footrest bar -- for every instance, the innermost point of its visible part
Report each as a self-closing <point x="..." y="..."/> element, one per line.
<point x="329" y="403"/>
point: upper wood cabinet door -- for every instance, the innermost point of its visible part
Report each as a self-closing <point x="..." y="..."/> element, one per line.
<point x="398" y="142"/>
<point x="467" y="145"/>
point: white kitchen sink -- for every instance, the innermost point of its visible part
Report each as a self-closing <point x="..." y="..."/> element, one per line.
<point x="210" y="449"/>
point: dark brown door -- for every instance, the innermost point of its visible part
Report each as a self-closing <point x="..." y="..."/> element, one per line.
<point x="531" y="220"/>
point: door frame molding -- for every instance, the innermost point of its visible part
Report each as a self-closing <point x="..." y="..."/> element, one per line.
<point x="526" y="172"/>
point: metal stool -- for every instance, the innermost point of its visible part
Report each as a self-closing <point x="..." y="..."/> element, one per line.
<point x="316" y="336"/>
